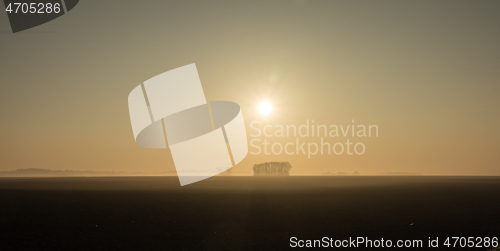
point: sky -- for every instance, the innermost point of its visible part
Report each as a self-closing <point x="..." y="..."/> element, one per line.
<point x="425" y="72"/>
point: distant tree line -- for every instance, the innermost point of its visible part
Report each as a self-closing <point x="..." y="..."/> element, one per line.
<point x="272" y="169"/>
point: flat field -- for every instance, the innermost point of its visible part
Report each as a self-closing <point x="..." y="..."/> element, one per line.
<point x="241" y="213"/>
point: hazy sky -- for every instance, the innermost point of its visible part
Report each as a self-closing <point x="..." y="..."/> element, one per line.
<point x="426" y="72"/>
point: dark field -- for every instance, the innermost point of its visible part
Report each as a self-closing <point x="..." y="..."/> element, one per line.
<point x="250" y="213"/>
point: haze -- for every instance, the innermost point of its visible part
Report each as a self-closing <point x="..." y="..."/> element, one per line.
<point x="425" y="72"/>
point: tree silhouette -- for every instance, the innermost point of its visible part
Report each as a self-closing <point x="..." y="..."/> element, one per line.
<point x="272" y="169"/>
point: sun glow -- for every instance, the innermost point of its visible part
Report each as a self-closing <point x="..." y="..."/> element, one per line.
<point x="265" y="108"/>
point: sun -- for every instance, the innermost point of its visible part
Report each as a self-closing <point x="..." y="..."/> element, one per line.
<point x="265" y="108"/>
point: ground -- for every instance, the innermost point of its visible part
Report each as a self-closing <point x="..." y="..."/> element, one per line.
<point x="240" y="213"/>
